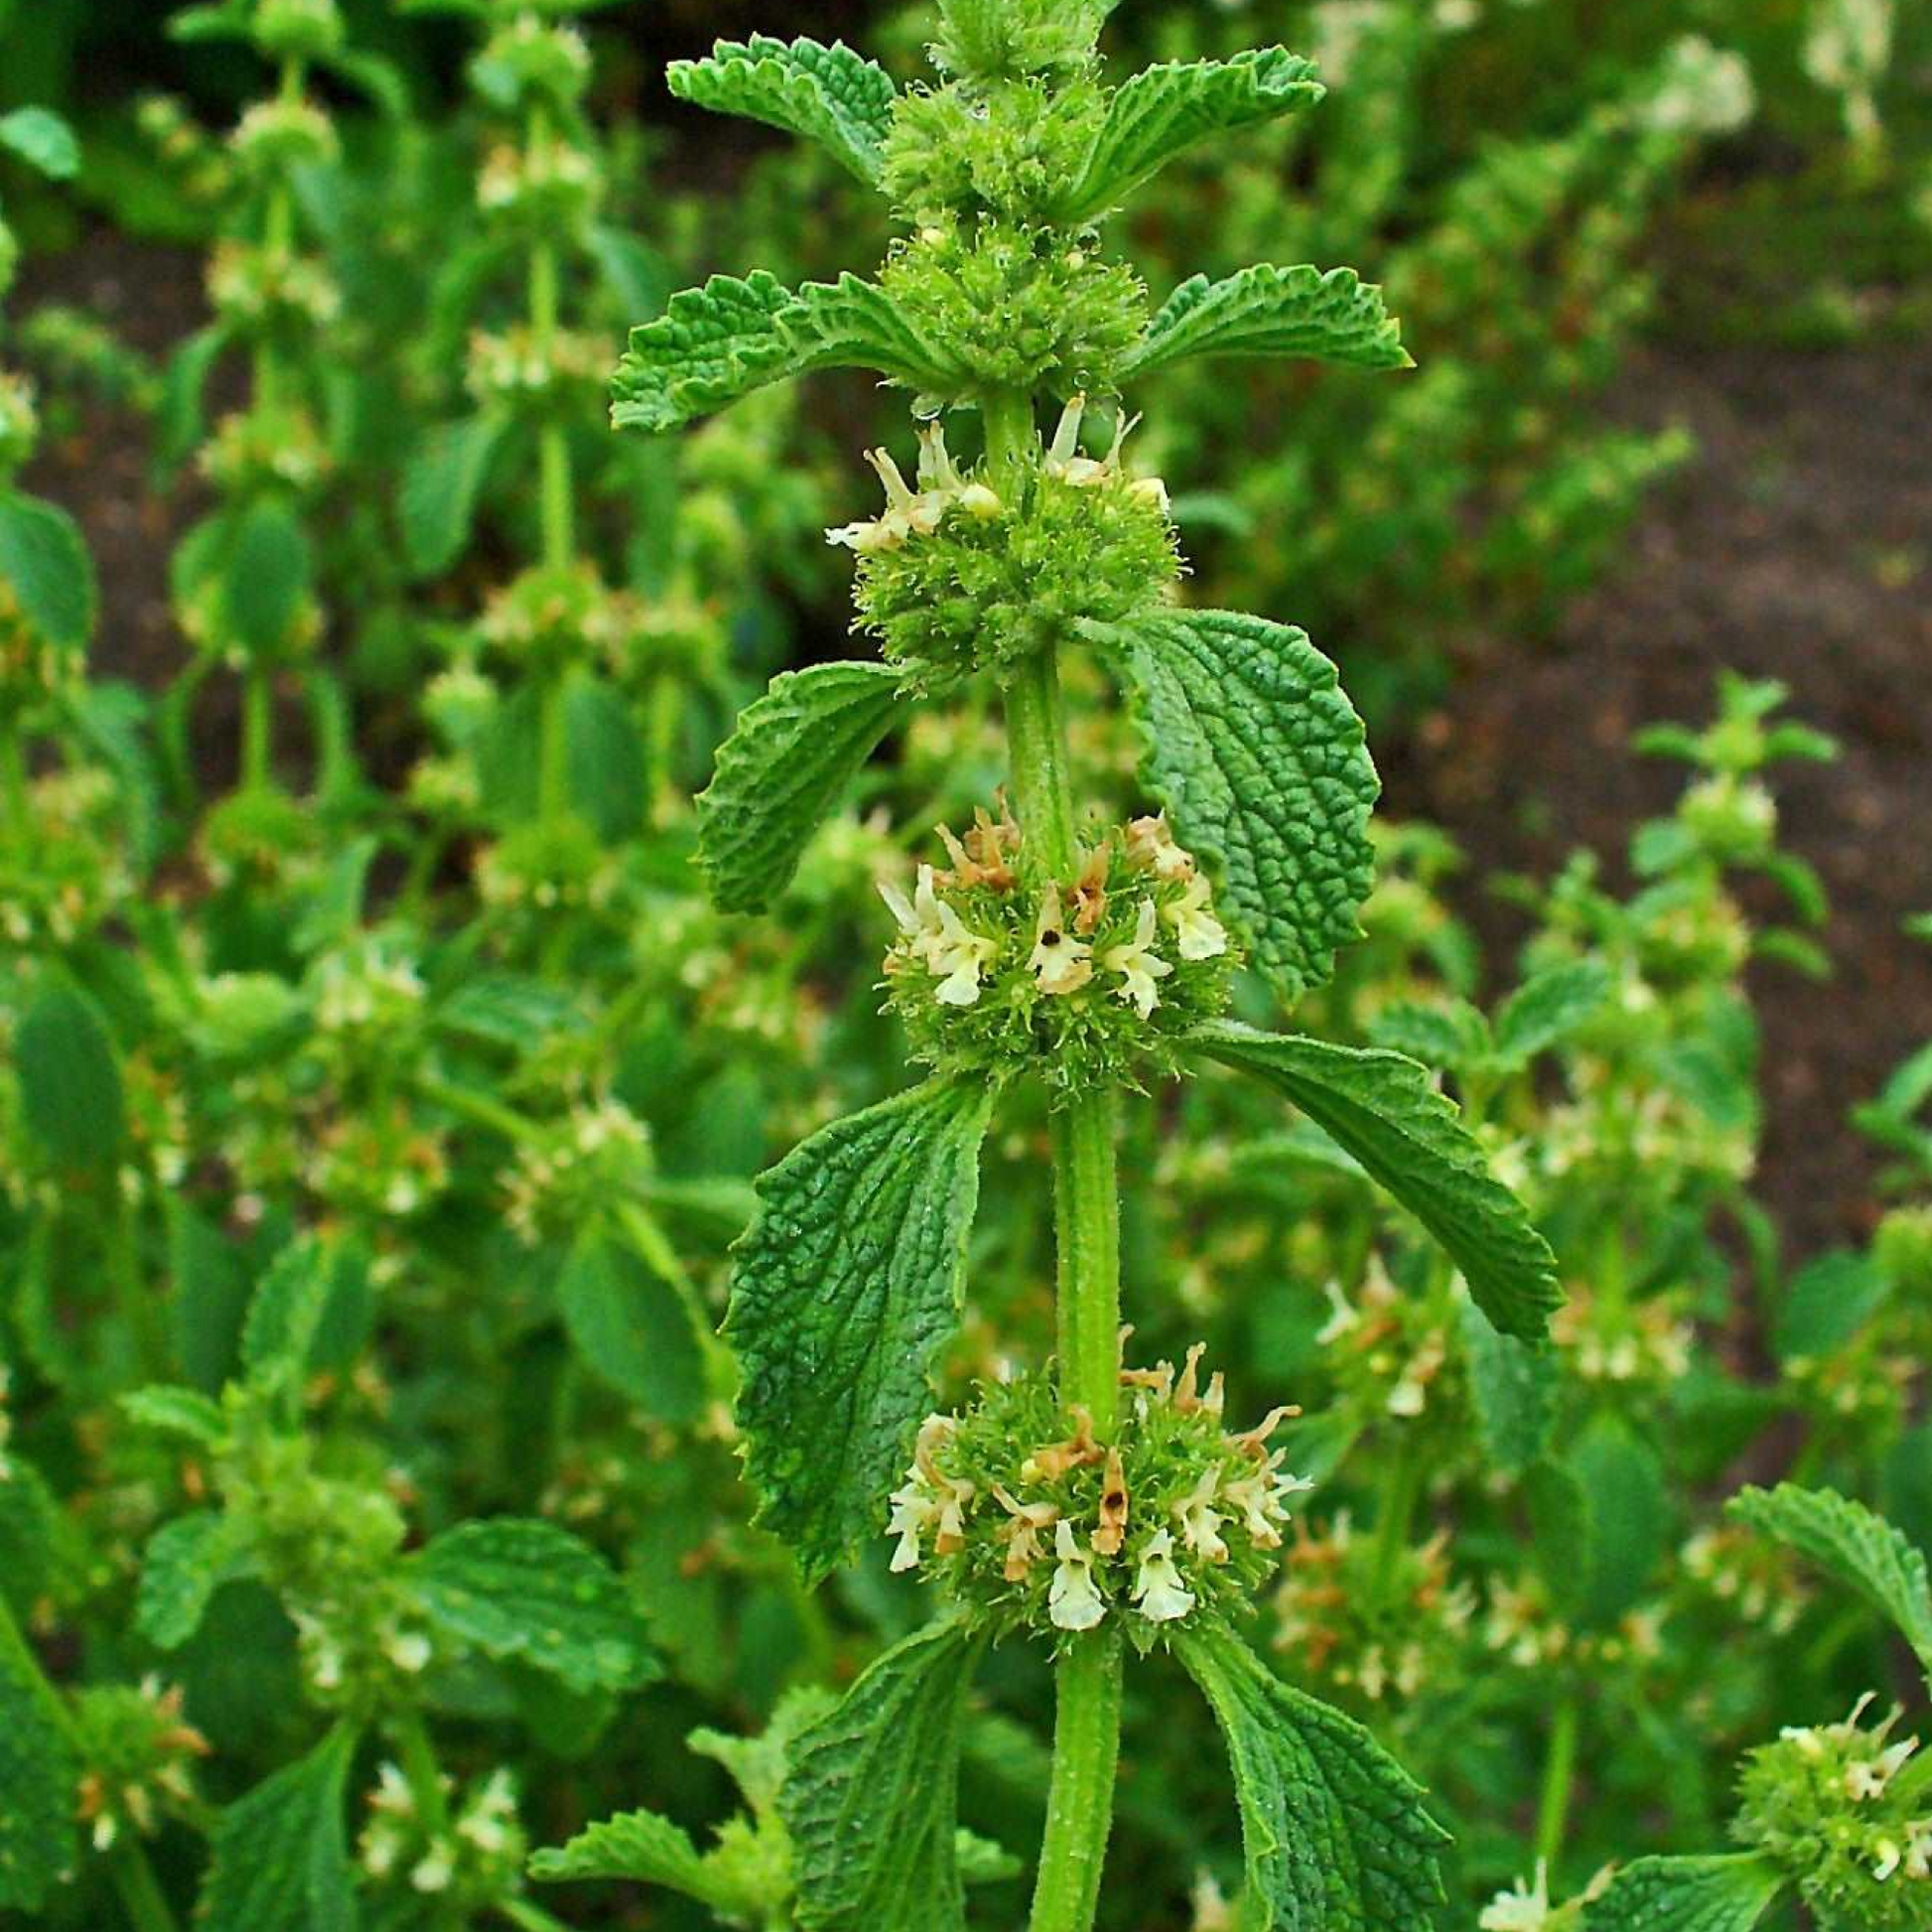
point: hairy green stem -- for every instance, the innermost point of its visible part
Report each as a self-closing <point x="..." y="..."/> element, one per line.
<point x="1558" y="1777"/>
<point x="257" y="729"/>
<point x="147" y="1907"/>
<point x="1086" y="1227"/>
<point x="15" y="813"/>
<point x="553" y="755"/>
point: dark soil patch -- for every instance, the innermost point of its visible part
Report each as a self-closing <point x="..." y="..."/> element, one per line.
<point x="1797" y="546"/>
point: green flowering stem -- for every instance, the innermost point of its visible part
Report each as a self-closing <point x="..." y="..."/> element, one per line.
<point x="1559" y="1778"/>
<point x="424" y="1776"/>
<point x="15" y="812"/>
<point x="1080" y="1805"/>
<point x="257" y="729"/>
<point x="533" y="1918"/>
<point x="553" y="755"/>
<point x="147" y="1910"/>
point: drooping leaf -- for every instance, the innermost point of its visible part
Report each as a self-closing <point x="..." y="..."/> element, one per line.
<point x="270" y="571"/>
<point x="1827" y="1300"/>
<point x="1513" y="1388"/>
<point x="1383" y="1109"/>
<point x="69" y="1077"/>
<point x="280" y="1854"/>
<point x="1164" y="110"/>
<point x="179" y="426"/>
<point x="1549" y="1007"/>
<point x="788" y="762"/>
<point x="45" y="563"/>
<point x="227" y="21"/>
<point x="630" y="1329"/>
<point x="515" y="1588"/>
<point x="843" y="1290"/>
<point x="1858" y="1548"/>
<point x="1711" y="1894"/>
<point x="441" y="482"/>
<point x="1248" y="742"/>
<point x="185" y="1564"/>
<point x="872" y="1797"/>
<point x="1334" y="317"/>
<point x="43" y="140"/>
<point x="829" y="94"/>
<point x="637" y="1845"/>
<point x="719" y="342"/>
<point x="185" y="1413"/>
<point x="38" y="1775"/>
<point x="1335" y="1833"/>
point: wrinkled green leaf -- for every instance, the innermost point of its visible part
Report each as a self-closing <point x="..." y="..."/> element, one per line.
<point x="1550" y="1008"/>
<point x="45" y="563"/>
<point x="843" y="1292"/>
<point x="1267" y="311"/>
<point x="637" y="1845"/>
<point x="1248" y="742"/>
<point x="829" y="94"/>
<point x="280" y="1854"/>
<point x="1383" y="1109"/>
<point x="788" y="765"/>
<point x="1513" y="1388"/>
<point x="43" y="140"/>
<point x="515" y="1588"/>
<point x="185" y="1564"/>
<point x="440" y="485"/>
<point x="1711" y="1894"/>
<point x="37" y="1774"/>
<point x="290" y="1314"/>
<point x="1164" y="110"/>
<point x="1858" y="1548"/>
<point x="69" y="1077"/>
<point x="1452" y="1035"/>
<point x="1335" y="1830"/>
<point x="872" y="1795"/>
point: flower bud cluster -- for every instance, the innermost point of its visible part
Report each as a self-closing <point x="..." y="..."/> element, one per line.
<point x="1390" y="1353"/>
<point x="543" y="868"/>
<point x="375" y="1165"/>
<point x="548" y="187"/>
<point x="1748" y="1575"/>
<point x="276" y="137"/>
<point x="1820" y="1800"/>
<point x="72" y="874"/>
<point x="1642" y="1346"/>
<point x="263" y="290"/>
<point x="1004" y="150"/>
<point x="1523" y="1624"/>
<point x="956" y="577"/>
<point x="533" y="63"/>
<point x="258" y="837"/>
<point x="264" y="446"/>
<point x="19" y="420"/>
<point x="1031" y="1521"/>
<point x="465" y="1869"/>
<point x="1902" y="1250"/>
<point x="1088" y="980"/>
<point x="532" y="373"/>
<point x="561" y="1179"/>
<point x="137" y="1753"/>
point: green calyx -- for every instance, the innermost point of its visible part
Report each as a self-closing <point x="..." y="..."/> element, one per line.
<point x="298" y="30"/>
<point x="1091" y="980"/>
<point x="1032" y="1521"/>
<point x="1006" y="150"/>
<point x="1003" y="40"/>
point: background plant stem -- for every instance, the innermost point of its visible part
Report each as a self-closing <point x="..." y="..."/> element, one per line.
<point x="147" y="1910"/>
<point x="1559" y="1774"/>
<point x="1086" y="1227"/>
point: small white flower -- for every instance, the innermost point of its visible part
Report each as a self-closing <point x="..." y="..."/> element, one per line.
<point x="1072" y="1602"/>
<point x="958" y="958"/>
<point x="1137" y="964"/>
<point x="1520" y="1909"/>
<point x="1060" y="962"/>
<point x="1158" y="1589"/>
<point x="1151" y="845"/>
<point x="436" y="1872"/>
<point x="1200" y="934"/>
<point x="1890" y="1859"/>
<point x="1200" y="1522"/>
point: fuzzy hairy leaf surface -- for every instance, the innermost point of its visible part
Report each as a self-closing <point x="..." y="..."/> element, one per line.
<point x="1331" y="316"/>
<point x="45" y="563"/>
<point x="719" y="342"/>
<point x="1513" y="1388"/>
<point x="829" y="94"/>
<point x="1858" y="1547"/>
<point x="788" y="762"/>
<point x="636" y="1844"/>
<point x="1248" y="743"/>
<point x="1713" y="1894"/>
<point x="516" y="1587"/>
<point x="37" y="1773"/>
<point x="1164" y="110"/>
<point x="1335" y="1831"/>
<point x="844" y="1289"/>
<point x="185" y="1564"/>
<point x="872" y="1798"/>
<point x="1383" y="1109"/>
<point x="440" y="482"/>
<point x="281" y="1855"/>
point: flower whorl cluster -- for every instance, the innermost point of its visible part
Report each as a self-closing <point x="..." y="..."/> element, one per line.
<point x="139" y="1755"/>
<point x="579" y="1165"/>
<point x="1089" y="979"/>
<point x="1822" y="1801"/>
<point x="958" y="576"/>
<point x="1030" y="1522"/>
<point x="476" y="1861"/>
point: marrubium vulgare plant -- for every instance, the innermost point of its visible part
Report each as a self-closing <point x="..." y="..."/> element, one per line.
<point x="1100" y="1509"/>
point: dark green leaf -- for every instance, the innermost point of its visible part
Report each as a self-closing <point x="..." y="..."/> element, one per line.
<point x="185" y="1563"/>
<point x="69" y="1077"/>
<point x="1267" y="311"/>
<point x="1829" y="1301"/>
<point x="829" y="94"/>
<point x="440" y="485"/>
<point x="281" y="1855"/>
<point x="44" y="562"/>
<point x="606" y="756"/>
<point x="509" y="1010"/>
<point x="629" y="1329"/>
<point x="1712" y="1895"/>
<point x="1550" y="1008"/>
<point x="269" y="572"/>
<point x="37" y="1776"/>
<point x="1513" y="1387"/>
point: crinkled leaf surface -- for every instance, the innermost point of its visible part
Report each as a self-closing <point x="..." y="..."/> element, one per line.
<point x="636" y="1844"/>
<point x="515" y="1588"/>
<point x="1166" y="109"/>
<point x="872" y="1798"/>
<point x="1713" y="1894"/>
<point x="185" y="1564"/>
<point x="1383" y="1109"/>
<point x="719" y="342"/>
<point x="37" y="1774"/>
<point x="1549" y="1007"/>
<point x="281" y="1855"/>
<point x="1334" y="317"/>
<point x="844" y="1289"/>
<point x="788" y="762"/>
<point x="1248" y="743"/>
<point x="1861" y="1549"/>
<point x="829" y="94"/>
<point x="1335" y="1830"/>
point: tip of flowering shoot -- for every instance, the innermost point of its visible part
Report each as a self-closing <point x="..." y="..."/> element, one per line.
<point x="1033" y="1522"/>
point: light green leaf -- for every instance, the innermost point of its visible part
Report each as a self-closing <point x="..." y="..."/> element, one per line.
<point x="1248" y="742"/>
<point x="719" y="342"/>
<point x="606" y="758"/>
<point x="872" y="1795"/>
<point x="1513" y="1386"/>
<point x="630" y="1329"/>
<point x="1164" y="110"/>
<point x="185" y="1413"/>
<point x="509" y="1010"/>
<point x="270" y="570"/>
<point x="829" y="94"/>
<point x="287" y="1313"/>
<point x="637" y="1845"/>
<point x="69" y="1077"/>
<point x="1267" y="311"/>
<point x="185" y="1564"/>
<point x="1549" y="1007"/>
<point x="513" y="1587"/>
<point x="1829" y="1300"/>
<point x="43" y="140"/>
<point x="788" y="764"/>
<point x="441" y="482"/>
<point x="281" y="1855"/>
<point x="1451" y="1033"/>
<point x="179" y="426"/>
<point x="44" y="562"/>
<point x="1335" y="1830"/>
<point x="843" y="1290"/>
<point x="38" y="1775"/>
<point x="225" y="21"/>
<point x="1383" y="1109"/>
<point x="1711" y="1895"/>
<point x="1858" y="1548"/>
<point x="31" y="1526"/>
